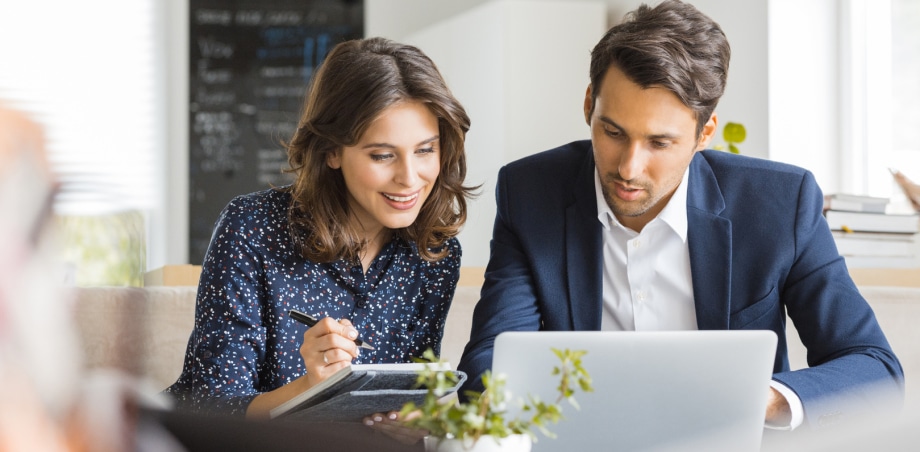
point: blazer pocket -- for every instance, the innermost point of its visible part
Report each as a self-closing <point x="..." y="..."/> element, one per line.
<point x="756" y="315"/>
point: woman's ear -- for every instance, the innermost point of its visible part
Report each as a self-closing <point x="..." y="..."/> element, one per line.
<point x="334" y="159"/>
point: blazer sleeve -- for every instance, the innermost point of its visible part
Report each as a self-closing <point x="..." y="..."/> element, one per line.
<point x="852" y="368"/>
<point x="508" y="301"/>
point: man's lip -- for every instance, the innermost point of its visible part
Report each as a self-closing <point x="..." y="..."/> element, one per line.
<point x="625" y="192"/>
<point x="622" y="186"/>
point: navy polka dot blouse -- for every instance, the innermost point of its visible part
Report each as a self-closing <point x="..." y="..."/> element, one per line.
<point x="244" y="343"/>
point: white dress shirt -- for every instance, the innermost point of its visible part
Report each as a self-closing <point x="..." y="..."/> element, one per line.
<point x="647" y="284"/>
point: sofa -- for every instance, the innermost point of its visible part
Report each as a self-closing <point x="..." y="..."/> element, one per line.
<point x="144" y="331"/>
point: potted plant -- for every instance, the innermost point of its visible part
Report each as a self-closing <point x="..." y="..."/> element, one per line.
<point x="483" y="422"/>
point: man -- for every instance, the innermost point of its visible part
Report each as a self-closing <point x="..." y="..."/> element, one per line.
<point x="640" y="229"/>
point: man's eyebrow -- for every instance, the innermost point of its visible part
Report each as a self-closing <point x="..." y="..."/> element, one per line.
<point x="390" y="146"/>
<point x="657" y="136"/>
<point x="610" y="122"/>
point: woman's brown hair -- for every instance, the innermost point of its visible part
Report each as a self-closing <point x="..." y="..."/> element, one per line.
<point x="357" y="81"/>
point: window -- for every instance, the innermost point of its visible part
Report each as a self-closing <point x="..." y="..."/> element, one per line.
<point x="881" y="66"/>
<point x="87" y="72"/>
<point x="905" y="74"/>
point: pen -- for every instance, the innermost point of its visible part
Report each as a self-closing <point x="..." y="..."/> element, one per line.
<point x="307" y="320"/>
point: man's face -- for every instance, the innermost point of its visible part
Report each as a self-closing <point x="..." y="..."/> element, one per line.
<point x="643" y="142"/>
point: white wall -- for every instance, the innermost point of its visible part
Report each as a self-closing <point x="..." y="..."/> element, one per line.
<point x="805" y="88"/>
<point x="175" y="240"/>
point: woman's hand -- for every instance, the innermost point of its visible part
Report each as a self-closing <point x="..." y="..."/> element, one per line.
<point x="391" y="425"/>
<point x="327" y="347"/>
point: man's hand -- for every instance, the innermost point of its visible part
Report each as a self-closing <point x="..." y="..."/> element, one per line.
<point x="778" y="412"/>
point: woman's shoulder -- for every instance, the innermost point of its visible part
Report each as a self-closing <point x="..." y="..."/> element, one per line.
<point x="452" y="257"/>
<point x="265" y="204"/>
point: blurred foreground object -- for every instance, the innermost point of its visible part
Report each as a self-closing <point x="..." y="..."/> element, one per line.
<point x="47" y="401"/>
<point x="911" y="189"/>
<point x="39" y="361"/>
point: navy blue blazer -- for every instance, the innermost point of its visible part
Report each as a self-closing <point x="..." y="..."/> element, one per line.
<point x="759" y="248"/>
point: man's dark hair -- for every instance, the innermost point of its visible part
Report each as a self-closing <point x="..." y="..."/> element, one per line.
<point x="672" y="45"/>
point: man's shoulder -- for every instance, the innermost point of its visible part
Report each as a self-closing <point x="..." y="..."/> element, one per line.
<point x="743" y="166"/>
<point x="568" y="157"/>
<point x="745" y="183"/>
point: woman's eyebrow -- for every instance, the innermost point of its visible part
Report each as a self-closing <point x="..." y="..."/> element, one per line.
<point x="391" y="146"/>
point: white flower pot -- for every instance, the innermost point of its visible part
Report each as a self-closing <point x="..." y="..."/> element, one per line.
<point x="513" y="443"/>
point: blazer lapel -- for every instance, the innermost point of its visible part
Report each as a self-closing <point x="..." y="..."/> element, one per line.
<point x="709" y="238"/>
<point x="584" y="248"/>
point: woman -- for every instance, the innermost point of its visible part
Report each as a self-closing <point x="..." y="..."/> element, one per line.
<point x="365" y="234"/>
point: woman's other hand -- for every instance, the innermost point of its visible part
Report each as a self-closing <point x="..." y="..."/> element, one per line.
<point x="391" y="425"/>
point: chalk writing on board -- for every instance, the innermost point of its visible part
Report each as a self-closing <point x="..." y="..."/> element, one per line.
<point x="249" y="68"/>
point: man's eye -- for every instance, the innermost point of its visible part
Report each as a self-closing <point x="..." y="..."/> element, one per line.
<point x="660" y="144"/>
<point x="612" y="133"/>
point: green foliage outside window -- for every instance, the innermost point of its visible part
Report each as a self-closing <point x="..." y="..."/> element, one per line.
<point x="104" y="250"/>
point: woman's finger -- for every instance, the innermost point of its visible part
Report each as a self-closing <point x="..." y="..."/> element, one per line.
<point x="391" y="425"/>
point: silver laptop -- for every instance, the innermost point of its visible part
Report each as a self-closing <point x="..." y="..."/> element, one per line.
<point x="653" y="391"/>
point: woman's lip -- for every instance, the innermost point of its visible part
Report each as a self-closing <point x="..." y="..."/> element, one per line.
<point x="401" y="201"/>
<point x="397" y="197"/>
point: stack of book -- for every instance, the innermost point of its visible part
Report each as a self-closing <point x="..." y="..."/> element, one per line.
<point x="867" y="235"/>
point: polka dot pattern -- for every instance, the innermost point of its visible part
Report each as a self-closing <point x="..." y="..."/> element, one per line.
<point x="244" y="343"/>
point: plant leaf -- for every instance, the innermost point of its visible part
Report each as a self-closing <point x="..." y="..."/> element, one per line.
<point x="734" y="132"/>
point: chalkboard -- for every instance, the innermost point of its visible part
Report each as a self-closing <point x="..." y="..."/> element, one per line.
<point x="250" y="63"/>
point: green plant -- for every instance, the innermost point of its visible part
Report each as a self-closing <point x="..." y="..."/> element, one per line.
<point x="104" y="250"/>
<point x="733" y="133"/>
<point x="485" y="413"/>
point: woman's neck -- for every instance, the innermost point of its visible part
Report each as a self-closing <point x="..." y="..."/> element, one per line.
<point x="372" y="247"/>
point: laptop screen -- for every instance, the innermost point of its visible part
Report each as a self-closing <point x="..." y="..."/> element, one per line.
<point x="673" y="390"/>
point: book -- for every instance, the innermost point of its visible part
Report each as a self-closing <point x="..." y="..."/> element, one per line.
<point x="855" y="203"/>
<point x="359" y="390"/>
<point x="911" y="262"/>
<point x="876" y="244"/>
<point x="872" y="222"/>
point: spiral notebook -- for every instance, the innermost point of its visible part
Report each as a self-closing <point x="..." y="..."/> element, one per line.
<point x="359" y="390"/>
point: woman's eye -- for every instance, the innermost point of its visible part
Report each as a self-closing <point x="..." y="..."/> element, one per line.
<point x="380" y="157"/>
<point x="427" y="150"/>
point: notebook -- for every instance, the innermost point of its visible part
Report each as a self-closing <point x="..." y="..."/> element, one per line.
<point x="653" y="391"/>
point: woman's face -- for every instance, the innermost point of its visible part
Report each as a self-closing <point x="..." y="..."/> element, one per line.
<point x="390" y="172"/>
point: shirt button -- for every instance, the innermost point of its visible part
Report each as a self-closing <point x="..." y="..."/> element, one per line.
<point x="640" y="295"/>
<point x="207" y="354"/>
<point x="636" y="243"/>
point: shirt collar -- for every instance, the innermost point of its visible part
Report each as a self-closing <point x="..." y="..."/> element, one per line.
<point x="674" y="213"/>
